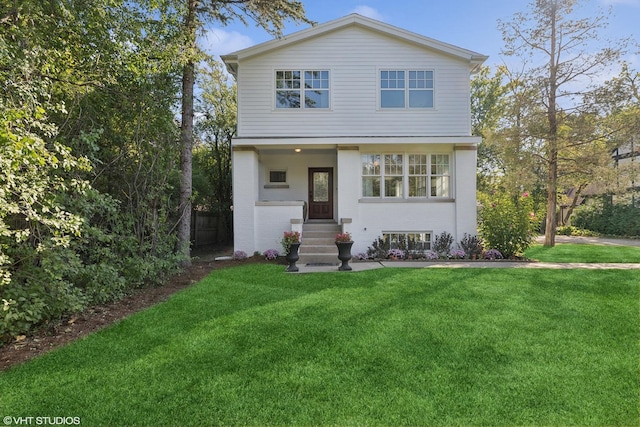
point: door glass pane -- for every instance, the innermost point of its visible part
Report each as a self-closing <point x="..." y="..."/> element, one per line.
<point x="321" y="186"/>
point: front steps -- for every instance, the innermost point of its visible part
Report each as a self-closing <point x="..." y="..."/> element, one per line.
<point x="318" y="243"/>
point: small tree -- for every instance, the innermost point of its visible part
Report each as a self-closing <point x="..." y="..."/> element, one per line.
<point x="507" y="223"/>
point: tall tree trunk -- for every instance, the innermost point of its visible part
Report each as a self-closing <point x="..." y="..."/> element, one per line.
<point x="186" y="138"/>
<point x="552" y="136"/>
<point x="552" y="197"/>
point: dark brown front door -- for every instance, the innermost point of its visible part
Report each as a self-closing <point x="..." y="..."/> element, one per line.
<point x="320" y="193"/>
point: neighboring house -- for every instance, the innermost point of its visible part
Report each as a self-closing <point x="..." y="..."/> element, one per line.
<point x="627" y="158"/>
<point x="624" y="188"/>
<point x="354" y="123"/>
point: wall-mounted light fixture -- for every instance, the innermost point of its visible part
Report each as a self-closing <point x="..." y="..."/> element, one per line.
<point x="297" y="150"/>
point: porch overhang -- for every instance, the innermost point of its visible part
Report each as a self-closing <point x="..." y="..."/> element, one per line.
<point x="337" y="141"/>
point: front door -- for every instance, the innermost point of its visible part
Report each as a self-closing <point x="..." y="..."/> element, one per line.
<point x="320" y="193"/>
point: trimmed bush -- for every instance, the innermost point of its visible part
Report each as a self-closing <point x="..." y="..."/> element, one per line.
<point x="507" y="223"/>
<point x="604" y="217"/>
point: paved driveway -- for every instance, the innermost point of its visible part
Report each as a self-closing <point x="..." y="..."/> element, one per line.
<point x="593" y="240"/>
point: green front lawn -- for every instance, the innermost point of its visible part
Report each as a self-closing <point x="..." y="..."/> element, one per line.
<point x="575" y="252"/>
<point x="256" y="346"/>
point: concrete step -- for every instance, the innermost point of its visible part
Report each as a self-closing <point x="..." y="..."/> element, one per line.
<point x="321" y="226"/>
<point x="329" y="259"/>
<point x="318" y="249"/>
<point x="318" y="241"/>
<point x="319" y="234"/>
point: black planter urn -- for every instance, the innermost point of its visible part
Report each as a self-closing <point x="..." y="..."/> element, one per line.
<point x="344" y="255"/>
<point x="292" y="257"/>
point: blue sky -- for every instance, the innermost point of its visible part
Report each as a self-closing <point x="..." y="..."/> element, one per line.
<point x="471" y="24"/>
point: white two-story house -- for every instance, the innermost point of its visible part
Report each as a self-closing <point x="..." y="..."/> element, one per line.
<point x="355" y="123"/>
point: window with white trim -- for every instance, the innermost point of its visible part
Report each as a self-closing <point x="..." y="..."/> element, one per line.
<point x="393" y="175"/>
<point x="416" y="241"/>
<point x="406" y="89"/>
<point x="440" y="175"/>
<point x="418" y="173"/>
<point x="371" y="175"/>
<point x="277" y="176"/>
<point x="406" y="175"/>
<point x="302" y="89"/>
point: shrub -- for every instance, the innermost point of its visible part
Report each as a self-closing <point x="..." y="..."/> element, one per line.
<point x="570" y="230"/>
<point x="271" y="254"/>
<point x="361" y="256"/>
<point x="471" y="245"/>
<point x="493" y="254"/>
<point x="457" y="254"/>
<point x="240" y="255"/>
<point x="604" y="217"/>
<point x="378" y="249"/>
<point x="442" y="244"/>
<point x="507" y="223"/>
<point x="396" y="253"/>
<point x="431" y="255"/>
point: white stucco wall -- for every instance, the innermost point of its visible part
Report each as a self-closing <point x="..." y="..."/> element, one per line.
<point x="272" y="220"/>
<point x="370" y="217"/>
<point x="245" y="194"/>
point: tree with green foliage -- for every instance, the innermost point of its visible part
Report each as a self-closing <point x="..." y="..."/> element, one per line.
<point x="87" y="145"/>
<point x="618" y="102"/>
<point x="559" y="52"/>
<point x="215" y="127"/>
<point x="192" y="16"/>
<point x="487" y="110"/>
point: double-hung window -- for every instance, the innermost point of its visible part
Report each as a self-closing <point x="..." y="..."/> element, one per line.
<point x="406" y="89"/>
<point x="440" y="175"/>
<point x="393" y="175"/>
<point x="371" y="174"/>
<point x="406" y="175"/>
<point x="302" y="89"/>
<point x="418" y="173"/>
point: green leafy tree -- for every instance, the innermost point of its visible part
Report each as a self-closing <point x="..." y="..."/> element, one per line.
<point x="216" y="126"/>
<point x="487" y="110"/>
<point x="559" y="53"/>
<point x="192" y="16"/>
<point x="86" y="134"/>
<point x="617" y="101"/>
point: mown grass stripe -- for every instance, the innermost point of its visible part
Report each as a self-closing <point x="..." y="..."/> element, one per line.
<point x="256" y="346"/>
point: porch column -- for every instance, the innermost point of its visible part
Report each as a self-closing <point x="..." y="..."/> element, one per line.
<point x="465" y="191"/>
<point x="348" y="184"/>
<point x="245" y="195"/>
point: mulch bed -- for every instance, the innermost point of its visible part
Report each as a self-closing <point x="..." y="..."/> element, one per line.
<point x="98" y="317"/>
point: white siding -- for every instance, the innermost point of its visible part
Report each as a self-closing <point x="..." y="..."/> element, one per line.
<point x="354" y="56"/>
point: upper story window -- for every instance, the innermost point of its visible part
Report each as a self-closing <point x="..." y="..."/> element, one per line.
<point x="406" y="89"/>
<point x="416" y="175"/>
<point x="302" y="89"/>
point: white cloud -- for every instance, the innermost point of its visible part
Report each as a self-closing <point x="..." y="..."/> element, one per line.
<point x="220" y="42"/>
<point x="622" y="2"/>
<point x="369" y="12"/>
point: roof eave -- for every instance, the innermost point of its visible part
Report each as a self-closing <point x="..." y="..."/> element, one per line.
<point x="355" y="19"/>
